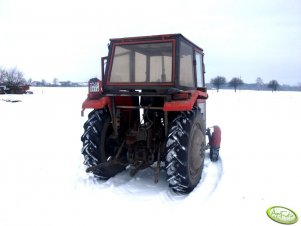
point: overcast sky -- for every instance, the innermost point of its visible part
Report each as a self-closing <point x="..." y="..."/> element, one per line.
<point x="66" y="39"/>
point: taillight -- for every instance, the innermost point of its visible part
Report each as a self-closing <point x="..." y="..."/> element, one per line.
<point x="95" y="88"/>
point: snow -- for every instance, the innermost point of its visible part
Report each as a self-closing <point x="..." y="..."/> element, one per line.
<point x="43" y="180"/>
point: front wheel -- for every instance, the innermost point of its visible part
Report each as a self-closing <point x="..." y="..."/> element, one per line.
<point x="185" y="148"/>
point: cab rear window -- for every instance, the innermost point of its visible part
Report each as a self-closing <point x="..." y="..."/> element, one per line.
<point x="142" y="63"/>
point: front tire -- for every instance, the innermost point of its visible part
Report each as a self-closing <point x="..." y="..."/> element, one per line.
<point x="98" y="147"/>
<point x="185" y="148"/>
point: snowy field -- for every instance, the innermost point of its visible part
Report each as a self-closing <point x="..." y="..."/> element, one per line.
<point x="43" y="180"/>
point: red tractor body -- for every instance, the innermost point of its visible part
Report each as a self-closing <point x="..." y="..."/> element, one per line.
<point x="149" y="108"/>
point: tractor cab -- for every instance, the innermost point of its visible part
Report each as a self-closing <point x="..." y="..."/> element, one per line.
<point x="149" y="108"/>
<point x="162" y="64"/>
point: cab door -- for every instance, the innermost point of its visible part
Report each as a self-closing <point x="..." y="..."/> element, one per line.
<point x="199" y="69"/>
<point x="200" y="81"/>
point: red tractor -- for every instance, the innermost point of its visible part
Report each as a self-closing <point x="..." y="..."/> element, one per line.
<point x="149" y="110"/>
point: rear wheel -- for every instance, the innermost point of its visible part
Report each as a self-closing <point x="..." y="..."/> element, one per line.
<point x="98" y="147"/>
<point x="185" y="148"/>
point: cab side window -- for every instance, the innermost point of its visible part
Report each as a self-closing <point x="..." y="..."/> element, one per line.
<point x="186" y="65"/>
<point x="199" y="69"/>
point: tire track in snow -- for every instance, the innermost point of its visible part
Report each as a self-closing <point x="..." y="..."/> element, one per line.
<point x="211" y="177"/>
<point x="142" y="186"/>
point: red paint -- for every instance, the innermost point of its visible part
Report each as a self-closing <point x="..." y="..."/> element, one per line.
<point x="124" y="100"/>
<point x="216" y="137"/>
<point x="96" y="104"/>
<point x="185" y="105"/>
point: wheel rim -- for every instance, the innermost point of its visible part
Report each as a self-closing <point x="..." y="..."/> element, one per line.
<point x="196" y="155"/>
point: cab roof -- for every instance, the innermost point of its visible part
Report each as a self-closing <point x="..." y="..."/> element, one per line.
<point x="153" y="38"/>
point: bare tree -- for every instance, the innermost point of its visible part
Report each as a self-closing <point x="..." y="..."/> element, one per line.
<point x="55" y="82"/>
<point x="259" y="83"/>
<point x="235" y="83"/>
<point x="274" y="85"/>
<point x="29" y="81"/>
<point x="12" y="77"/>
<point x="43" y="82"/>
<point x="3" y="74"/>
<point x="218" y="82"/>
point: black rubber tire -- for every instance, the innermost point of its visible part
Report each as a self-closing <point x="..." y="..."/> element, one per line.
<point x="214" y="154"/>
<point x="185" y="151"/>
<point x="96" y="145"/>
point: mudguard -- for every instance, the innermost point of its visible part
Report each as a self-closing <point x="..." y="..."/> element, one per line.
<point x="216" y="138"/>
<point x="95" y="104"/>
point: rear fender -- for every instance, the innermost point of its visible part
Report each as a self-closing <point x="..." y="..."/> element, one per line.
<point x="95" y="104"/>
<point x="186" y="105"/>
<point x="216" y="138"/>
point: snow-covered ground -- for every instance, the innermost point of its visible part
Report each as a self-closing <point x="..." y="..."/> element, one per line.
<point x="43" y="180"/>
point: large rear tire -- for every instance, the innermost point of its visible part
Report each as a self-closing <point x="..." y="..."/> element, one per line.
<point x="98" y="147"/>
<point x="185" y="151"/>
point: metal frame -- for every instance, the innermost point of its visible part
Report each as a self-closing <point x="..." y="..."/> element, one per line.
<point x="112" y="87"/>
<point x="138" y="85"/>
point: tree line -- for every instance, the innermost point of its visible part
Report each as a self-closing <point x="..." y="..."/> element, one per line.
<point x="14" y="78"/>
<point x="221" y="82"/>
